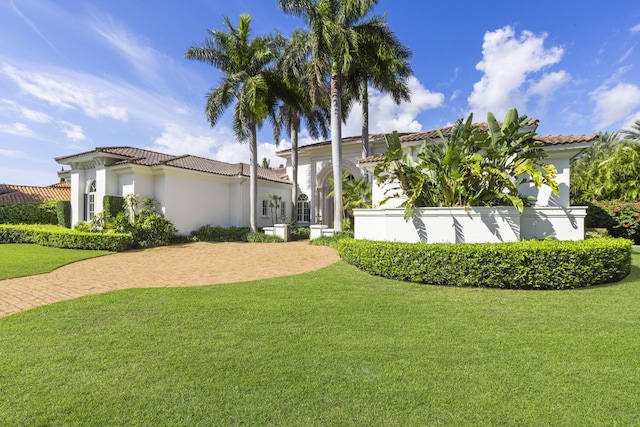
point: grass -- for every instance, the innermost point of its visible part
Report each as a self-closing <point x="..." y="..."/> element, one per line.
<point x="26" y="260"/>
<point x="334" y="347"/>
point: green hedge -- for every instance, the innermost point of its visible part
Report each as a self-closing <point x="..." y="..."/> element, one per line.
<point x="60" y="237"/>
<point x="112" y="205"/>
<point x="210" y="233"/>
<point x="518" y="265"/>
<point x="63" y="212"/>
<point x="28" y="213"/>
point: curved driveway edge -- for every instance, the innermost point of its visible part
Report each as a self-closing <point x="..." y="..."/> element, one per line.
<point x="193" y="264"/>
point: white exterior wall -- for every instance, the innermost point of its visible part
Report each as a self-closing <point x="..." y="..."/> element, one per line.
<point x="192" y="200"/>
<point x="266" y="188"/>
<point x="544" y="195"/>
<point x="78" y="185"/>
<point x="477" y="225"/>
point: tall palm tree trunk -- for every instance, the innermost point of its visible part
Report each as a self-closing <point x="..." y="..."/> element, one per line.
<point x="366" y="151"/>
<point x="295" y="125"/>
<point x="253" y="179"/>
<point x="336" y="149"/>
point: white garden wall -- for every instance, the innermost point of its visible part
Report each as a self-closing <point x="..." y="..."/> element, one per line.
<point x="474" y="225"/>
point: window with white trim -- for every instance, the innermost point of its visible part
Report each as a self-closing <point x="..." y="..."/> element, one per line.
<point x="265" y="208"/>
<point x="91" y="201"/>
<point x="304" y="208"/>
<point x="283" y="211"/>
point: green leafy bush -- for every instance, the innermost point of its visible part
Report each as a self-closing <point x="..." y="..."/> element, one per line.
<point x="209" y="233"/>
<point x="63" y="212"/>
<point x="60" y="237"/>
<point x="113" y="205"/>
<point x="299" y="233"/>
<point x="28" y="213"/>
<point x="621" y="219"/>
<point x="520" y="265"/>
<point x="332" y="240"/>
<point x="263" y="238"/>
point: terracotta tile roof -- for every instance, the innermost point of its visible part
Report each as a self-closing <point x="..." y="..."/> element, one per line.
<point x="347" y="140"/>
<point x="548" y="140"/>
<point x="565" y="139"/>
<point x="27" y="193"/>
<point x="138" y="156"/>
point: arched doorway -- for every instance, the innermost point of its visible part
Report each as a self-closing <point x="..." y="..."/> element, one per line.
<point x="324" y="205"/>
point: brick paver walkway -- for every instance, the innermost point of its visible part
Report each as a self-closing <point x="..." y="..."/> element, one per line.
<point x="192" y="264"/>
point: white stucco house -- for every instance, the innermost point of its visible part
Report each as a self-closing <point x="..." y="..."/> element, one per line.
<point x="191" y="191"/>
<point x="315" y="170"/>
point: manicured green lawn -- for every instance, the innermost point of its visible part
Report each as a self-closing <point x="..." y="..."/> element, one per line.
<point x="333" y="347"/>
<point x="17" y="260"/>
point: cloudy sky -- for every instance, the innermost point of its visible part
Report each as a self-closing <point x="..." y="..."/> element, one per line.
<point x="75" y="75"/>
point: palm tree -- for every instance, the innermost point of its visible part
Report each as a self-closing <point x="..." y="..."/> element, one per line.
<point x="383" y="62"/>
<point x="634" y="132"/>
<point x="247" y="80"/>
<point x="335" y="29"/>
<point x="297" y="105"/>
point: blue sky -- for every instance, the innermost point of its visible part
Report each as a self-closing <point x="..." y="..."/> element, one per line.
<point x="75" y="75"/>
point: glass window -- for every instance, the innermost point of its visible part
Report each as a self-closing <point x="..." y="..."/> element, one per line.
<point x="304" y="208"/>
<point x="91" y="201"/>
<point x="265" y="207"/>
<point x="283" y="210"/>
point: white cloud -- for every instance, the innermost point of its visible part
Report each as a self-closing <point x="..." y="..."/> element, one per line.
<point x="65" y="93"/>
<point x="145" y="60"/>
<point x="549" y="83"/>
<point x="175" y="139"/>
<point x="508" y="63"/>
<point x="36" y="116"/>
<point x="614" y="104"/>
<point x="221" y="145"/>
<point x="625" y="55"/>
<point x="32" y="115"/>
<point x="635" y="29"/>
<point x="385" y="115"/>
<point x="73" y="132"/>
<point x="18" y="129"/>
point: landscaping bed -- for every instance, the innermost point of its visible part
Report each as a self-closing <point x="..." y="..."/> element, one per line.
<point x="519" y="265"/>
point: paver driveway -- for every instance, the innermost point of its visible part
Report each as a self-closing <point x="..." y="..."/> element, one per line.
<point x="191" y="264"/>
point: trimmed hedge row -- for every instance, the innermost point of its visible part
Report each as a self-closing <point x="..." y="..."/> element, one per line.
<point x="28" y="213"/>
<point x="210" y="233"/>
<point x="60" y="237"/>
<point x="519" y="265"/>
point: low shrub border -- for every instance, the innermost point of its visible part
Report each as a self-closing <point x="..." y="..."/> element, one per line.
<point x="60" y="237"/>
<point x="518" y="265"/>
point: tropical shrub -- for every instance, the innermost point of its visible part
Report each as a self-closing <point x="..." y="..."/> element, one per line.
<point x="608" y="170"/>
<point x="147" y="226"/>
<point x="28" y="213"/>
<point x="544" y="264"/>
<point x="209" y="233"/>
<point x="299" y="233"/>
<point x="470" y="167"/>
<point x="356" y="194"/>
<point x="263" y="238"/>
<point x="621" y="219"/>
<point x="61" y="237"/>
<point x="332" y="240"/>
